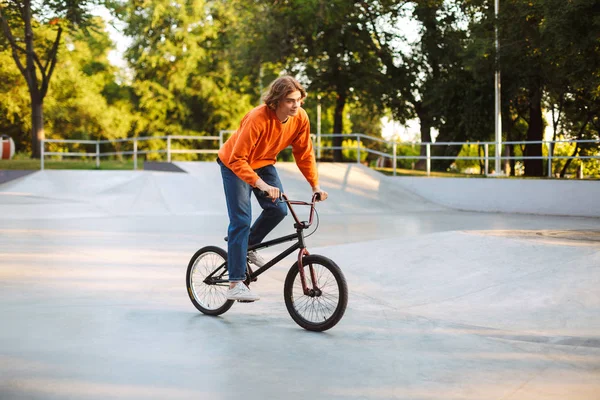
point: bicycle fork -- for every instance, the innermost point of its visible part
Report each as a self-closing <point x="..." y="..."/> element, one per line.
<point x="308" y="291"/>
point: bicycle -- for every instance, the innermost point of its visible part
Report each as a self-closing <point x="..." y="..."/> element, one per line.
<point x="315" y="289"/>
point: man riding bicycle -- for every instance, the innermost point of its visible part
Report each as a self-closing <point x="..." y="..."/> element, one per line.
<point x="247" y="164"/>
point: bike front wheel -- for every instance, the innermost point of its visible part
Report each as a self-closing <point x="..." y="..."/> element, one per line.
<point x="324" y="303"/>
<point x="207" y="281"/>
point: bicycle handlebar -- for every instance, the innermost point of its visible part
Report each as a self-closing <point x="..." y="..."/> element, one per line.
<point x="315" y="197"/>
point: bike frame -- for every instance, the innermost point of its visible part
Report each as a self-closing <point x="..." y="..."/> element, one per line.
<point x="299" y="245"/>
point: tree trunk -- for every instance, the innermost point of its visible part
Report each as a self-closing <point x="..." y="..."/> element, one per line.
<point x="535" y="132"/>
<point x="338" y="126"/>
<point x="425" y="122"/>
<point x="37" y="125"/>
<point x="509" y="168"/>
<point x="513" y="162"/>
<point x="563" y="172"/>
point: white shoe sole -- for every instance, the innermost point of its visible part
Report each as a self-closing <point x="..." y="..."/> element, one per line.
<point x="243" y="298"/>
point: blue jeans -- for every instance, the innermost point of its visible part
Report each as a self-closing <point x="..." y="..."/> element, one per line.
<point x="240" y="234"/>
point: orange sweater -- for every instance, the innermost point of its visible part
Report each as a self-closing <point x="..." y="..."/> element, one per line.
<point x="261" y="136"/>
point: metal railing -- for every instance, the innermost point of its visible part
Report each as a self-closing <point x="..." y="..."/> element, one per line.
<point x="485" y="158"/>
<point x="168" y="150"/>
<point x="391" y="147"/>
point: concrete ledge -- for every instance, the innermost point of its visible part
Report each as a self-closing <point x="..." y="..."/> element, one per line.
<point x="9" y="175"/>
<point x="543" y="197"/>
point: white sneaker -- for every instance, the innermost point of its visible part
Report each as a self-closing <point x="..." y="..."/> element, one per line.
<point x="256" y="258"/>
<point x="241" y="292"/>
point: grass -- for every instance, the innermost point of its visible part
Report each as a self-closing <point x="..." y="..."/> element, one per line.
<point x="33" y="164"/>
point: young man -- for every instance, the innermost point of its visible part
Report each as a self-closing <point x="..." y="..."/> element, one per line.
<point x="247" y="164"/>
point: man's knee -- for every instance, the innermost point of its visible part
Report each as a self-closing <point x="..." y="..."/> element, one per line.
<point x="278" y="212"/>
<point x="240" y="223"/>
<point x="282" y="210"/>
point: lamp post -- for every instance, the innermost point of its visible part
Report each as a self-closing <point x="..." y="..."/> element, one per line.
<point x="318" y="127"/>
<point x="498" y="110"/>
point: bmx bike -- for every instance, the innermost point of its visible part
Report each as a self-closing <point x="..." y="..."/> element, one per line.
<point x="315" y="289"/>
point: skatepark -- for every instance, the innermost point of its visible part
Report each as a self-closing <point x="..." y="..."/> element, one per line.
<point x="458" y="289"/>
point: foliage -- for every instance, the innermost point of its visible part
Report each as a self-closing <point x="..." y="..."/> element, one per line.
<point x="472" y="166"/>
<point x="406" y="150"/>
<point x="14" y="103"/>
<point x="183" y="83"/>
<point x="350" y="150"/>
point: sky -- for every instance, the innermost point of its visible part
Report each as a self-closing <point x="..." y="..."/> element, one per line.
<point x="121" y="41"/>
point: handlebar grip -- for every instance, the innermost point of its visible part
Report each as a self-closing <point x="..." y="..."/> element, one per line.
<point x="318" y="196"/>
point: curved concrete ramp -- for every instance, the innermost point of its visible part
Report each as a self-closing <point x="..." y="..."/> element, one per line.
<point x="443" y="304"/>
<point x="69" y="194"/>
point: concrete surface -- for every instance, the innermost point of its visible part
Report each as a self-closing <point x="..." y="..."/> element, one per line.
<point x="443" y="304"/>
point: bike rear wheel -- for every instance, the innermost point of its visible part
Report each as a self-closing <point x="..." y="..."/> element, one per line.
<point x="319" y="309"/>
<point x="206" y="267"/>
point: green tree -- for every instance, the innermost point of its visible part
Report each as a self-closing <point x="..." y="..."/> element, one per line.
<point x="429" y="79"/>
<point x="36" y="56"/>
<point x="183" y="82"/>
<point x="85" y="102"/>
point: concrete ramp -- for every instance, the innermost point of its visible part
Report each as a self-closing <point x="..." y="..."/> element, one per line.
<point x="67" y="194"/>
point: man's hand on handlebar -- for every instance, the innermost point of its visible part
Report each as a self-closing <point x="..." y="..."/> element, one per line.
<point x="322" y="195"/>
<point x="271" y="191"/>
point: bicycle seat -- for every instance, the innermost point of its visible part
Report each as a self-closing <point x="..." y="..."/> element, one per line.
<point x="226" y="238"/>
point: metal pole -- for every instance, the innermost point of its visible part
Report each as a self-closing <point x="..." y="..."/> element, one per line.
<point x="498" y="111"/>
<point x="357" y="149"/>
<point x="549" y="159"/>
<point x="168" y="148"/>
<point x="428" y="159"/>
<point x="97" y="155"/>
<point x="42" y="154"/>
<point x="135" y="149"/>
<point x="395" y="147"/>
<point x="318" y="127"/>
<point x="220" y="139"/>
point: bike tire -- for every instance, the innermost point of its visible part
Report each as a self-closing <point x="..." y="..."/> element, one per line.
<point x="322" y="312"/>
<point x="209" y="299"/>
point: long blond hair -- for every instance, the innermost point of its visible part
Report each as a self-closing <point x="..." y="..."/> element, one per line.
<point x="280" y="88"/>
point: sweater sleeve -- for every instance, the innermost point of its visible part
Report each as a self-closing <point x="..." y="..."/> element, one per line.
<point x="248" y="135"/>
<point x="302" y="149"/>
